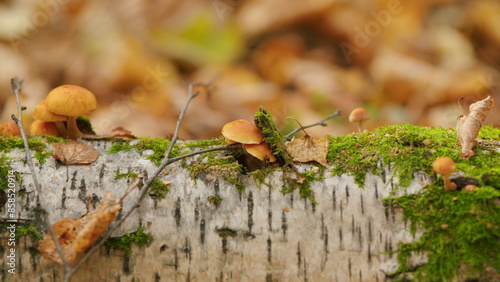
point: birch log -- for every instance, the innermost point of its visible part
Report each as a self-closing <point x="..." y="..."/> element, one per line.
<point x="258" y="235"/>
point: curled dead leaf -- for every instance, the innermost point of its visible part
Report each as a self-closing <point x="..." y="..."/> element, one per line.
<point x="307" y="148"/>
<point x="468" y="125"/>
<point x="73" y="152"/>
<point x="76" y="236"/>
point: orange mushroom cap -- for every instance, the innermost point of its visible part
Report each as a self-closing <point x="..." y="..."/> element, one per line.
<point x="359" y="115"/>
<point x="70" y="100"/>
<point x="261" y="151"/>
<point x="11" y="128"/>
<point x="242" y="131"/>
<point x="42" y="113"/>
<point x="39" y="127"/>
<point x="444" y="165"/>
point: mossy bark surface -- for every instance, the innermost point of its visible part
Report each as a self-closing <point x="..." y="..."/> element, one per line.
<point x="206" y="228"/>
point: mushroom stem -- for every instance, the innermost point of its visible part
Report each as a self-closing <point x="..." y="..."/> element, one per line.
<point x="61" y="128"/>
<point x="73" y="131"/>
<point x="448" y="185"/>
<point x="361" y="127"/>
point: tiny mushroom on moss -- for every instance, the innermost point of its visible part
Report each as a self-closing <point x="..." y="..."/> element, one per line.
<point x="359" y="116"/>
<point x="445" y="166"/>
<point x="39" y="127"/>
<point x="261" y="151"/>
<point x="71" y="101"/>
<point x="241" y="131"/>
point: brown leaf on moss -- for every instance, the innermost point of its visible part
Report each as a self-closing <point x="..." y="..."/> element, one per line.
<point x="468" y="125"/>
<point x="307" y="148"/>
<point x="76" y="236"/>
<point x="74" y="153"/>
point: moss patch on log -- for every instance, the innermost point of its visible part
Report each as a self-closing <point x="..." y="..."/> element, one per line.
<point x="125" y="242"/>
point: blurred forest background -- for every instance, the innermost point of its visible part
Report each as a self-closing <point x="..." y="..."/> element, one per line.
<point x="405" y="61"/>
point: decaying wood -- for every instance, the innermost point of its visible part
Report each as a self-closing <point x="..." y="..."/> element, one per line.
<point x="468" y="125"/>
<point x="260" y="234"/>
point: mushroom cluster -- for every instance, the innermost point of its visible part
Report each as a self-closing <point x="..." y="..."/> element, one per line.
<point x="249" y="135"/>
<point x="63" y="104"/>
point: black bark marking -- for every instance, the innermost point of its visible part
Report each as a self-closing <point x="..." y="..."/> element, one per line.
<point x="353" y="228"/>
<point x="250" y="212"/>
<point x="334" y="199"/>
<point x="63" y="200"/>
<point x="224" y="245"/>
<point x="341" y="243"/>
<point x="347" y="194"/>
<point x="126" y="265"/>
<point x="177" y="212"/>
<point x="370" y="235"/>
<point x="187" y="249"/>
<point x="82" y="194"/>
<point x="349" y="268"/>
<point x="376" y="189"/>
<point x="362" y="205"/>
<point x="270" y="213"/>
<point x="369" y="253"/>
<point x="341" y="205"/>
<point x="269" y="277"/>
<point x="202" y="231"/>
<point x="73" y="181"/>
<point x="157" y="277"/>
<point x="324" y="236"/>
<point x="360" y="240"/>
<point x="284" y="225"/>
<point x="269" y="249"/>
<point x="197" y="209"/>
<point x="176" y="259"/>
<point x="299" y="257"/>
<point x="101" y="174"/>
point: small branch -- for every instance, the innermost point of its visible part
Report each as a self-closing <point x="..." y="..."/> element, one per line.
<point x="166" y="161"/>
<point x="16" y="87"/>
<point x="321" y="122"/>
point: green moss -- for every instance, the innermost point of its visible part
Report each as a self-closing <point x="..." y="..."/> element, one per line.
<point x="158" y="189"/>
<point x="124" y="243"/>
<point x="205" y="143"/>
<point x="264" y="121"/>
<point x="28" y="229"/>
<point x="4" y="171"/>
<point x="225" y="166"/>
<point x="158" y="145"/>
<point x="406" y="148"/>
<point x="303" y="183"/>
<point x="462" y="231"/>
<point x="37" y="145"/>
<point x="216" y="200"/>
<point x="131" y="175"/>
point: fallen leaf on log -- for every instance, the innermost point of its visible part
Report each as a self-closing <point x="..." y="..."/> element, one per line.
<point x="468" y="125"/>
<point x="76" y="236"/>
<point x="307" y="148"/>
<point x="74" y="153"/>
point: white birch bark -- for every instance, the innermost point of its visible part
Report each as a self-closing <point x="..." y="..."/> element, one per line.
<point x="272" y="236"/>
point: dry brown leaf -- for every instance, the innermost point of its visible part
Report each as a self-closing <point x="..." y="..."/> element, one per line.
<point x="94" y="223"/>
<point x="468" y="125"/>
<point x="307" y="148"/>
<point x="76" y="236"/>
<point x="75" y="153"/>
<point x="122" y="133"/>
<point x="64" y="230"/>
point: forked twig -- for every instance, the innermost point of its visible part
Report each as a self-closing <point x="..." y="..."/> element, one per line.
<point x="321" y="122"/>
<point x="16" y="87"/>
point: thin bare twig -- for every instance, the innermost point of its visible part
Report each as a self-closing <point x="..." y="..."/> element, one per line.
<point x="321" y="122"/>
<point x="16" y="87"/>
<point x="166" y="161"/>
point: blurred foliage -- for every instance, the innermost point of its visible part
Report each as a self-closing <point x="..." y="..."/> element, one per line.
<point x="405" y="61"/>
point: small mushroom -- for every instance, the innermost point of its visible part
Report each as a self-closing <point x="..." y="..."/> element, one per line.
<point x="241" y="131"/>
<point x="71" y="101"/>
<point x="10" y="128"/>
<point x="261" y="151"/>
<point x="41" y="113"/>
<point x="359" y="116"/>
<point x="445" y="166"/>
<point x="39" y="127"/>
